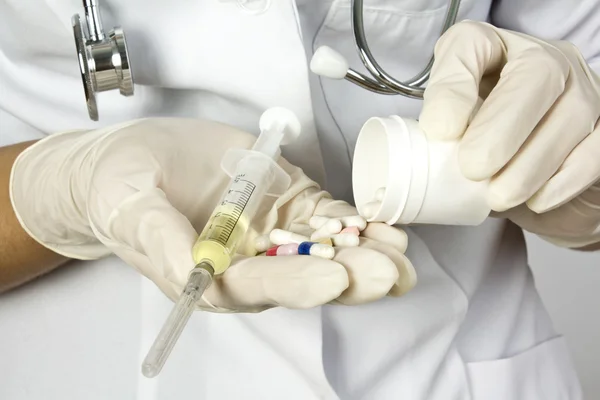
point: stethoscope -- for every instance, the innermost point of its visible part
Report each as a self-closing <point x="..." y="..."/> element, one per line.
<point x="104" y="60"/>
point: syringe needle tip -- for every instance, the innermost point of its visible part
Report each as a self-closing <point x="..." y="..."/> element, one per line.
<point x="178" y="318"/>
<point x="160" y="350"/>
<point x="149" y="371"/>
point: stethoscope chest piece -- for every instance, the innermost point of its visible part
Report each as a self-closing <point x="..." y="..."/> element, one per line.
<point x="103" y="60"/>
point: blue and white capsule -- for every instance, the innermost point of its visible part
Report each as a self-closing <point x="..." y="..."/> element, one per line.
<point x="316" y="249"/>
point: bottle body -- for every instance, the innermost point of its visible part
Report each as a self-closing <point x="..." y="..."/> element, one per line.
<point x="422" y="178"/>
<point x="451" y="199"/>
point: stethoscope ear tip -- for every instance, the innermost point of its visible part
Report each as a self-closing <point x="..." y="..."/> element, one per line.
<point x="329" y="63"/>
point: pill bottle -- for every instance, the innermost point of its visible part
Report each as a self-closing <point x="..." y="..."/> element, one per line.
<point x="423" y="182"/>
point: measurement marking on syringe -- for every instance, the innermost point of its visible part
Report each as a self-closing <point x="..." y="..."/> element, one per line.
<point x="238" y="209"/>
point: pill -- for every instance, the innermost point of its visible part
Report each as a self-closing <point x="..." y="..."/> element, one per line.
<point x="352" y="230"/>
<point x="316" y="222"/>
<point x="331" y="227"/>
<point x="272" y="251"/>
<point x="304" y="248"/>
<point x="262" y="243"/>
<point x="322" y="250"/>
<point x="290" y="249"/>
<point x="369" y="210"/>
<point x="345" y="240"/>
<point x="354" y="220"/>
<point x="280" y="236"/>
<point x="380" y="194"/>
<point x="283" y="250"/>
<point x="316" y="249"/>
<point x="326" y="241"/>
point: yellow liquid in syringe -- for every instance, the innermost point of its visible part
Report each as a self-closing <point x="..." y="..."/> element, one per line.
<point x="220" y="238"/>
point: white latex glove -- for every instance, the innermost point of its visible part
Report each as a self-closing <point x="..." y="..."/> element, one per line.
<point x="536" y="135"/>
<point x="145" y="189"/>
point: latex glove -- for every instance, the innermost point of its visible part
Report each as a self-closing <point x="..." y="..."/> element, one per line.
<point x="145" y="189"/>
<point x="536" y="135"/>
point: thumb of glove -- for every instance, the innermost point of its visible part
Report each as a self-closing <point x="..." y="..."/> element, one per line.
<point x="151" y="235"/>
<point x="257" y="283"/>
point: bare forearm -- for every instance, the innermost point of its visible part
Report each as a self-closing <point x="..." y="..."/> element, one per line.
<point x="21" y="257"/>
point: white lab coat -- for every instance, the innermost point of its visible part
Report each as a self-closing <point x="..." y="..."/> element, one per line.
<point x="473" y="328"/>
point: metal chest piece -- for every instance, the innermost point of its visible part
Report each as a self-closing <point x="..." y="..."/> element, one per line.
<point x="103" y="60"/>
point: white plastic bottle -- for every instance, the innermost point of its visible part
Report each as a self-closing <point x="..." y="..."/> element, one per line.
<point x="422" y="178"/>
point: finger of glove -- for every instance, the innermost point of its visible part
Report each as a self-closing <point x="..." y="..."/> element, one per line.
<point x="544" y="151"/>
<point x="147" y="224"/>
<point x="387" y="234"/>
<point x="462" y="56"/>
<point x="330" y="208"/>
<point x="253" y="284"/>
<point x="371" y="274"/>
<point x="407" y="276"/>
<point x="530" y="83"/>
<point x="573" y="224"/>
<point x="580" y="170"/>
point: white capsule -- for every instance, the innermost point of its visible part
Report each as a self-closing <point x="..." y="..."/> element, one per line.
<point x="322" y="250"/>
<point x="262" y="243"/>
<point x="280" y="236"/>
<point x="317" y="221"/>
<point x="345" y="240"/>
<point x="354" y="220"/>
<point x="380" y="194"/>
<point x="331" y="227"/>
<point x="369" y="210"/>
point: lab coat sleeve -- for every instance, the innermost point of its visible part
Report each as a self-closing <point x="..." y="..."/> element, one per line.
<point x="13" y="130"/>
<point x="575" y="21"/>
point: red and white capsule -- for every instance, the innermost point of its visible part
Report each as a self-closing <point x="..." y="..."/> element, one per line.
<point x="290" y="249"/>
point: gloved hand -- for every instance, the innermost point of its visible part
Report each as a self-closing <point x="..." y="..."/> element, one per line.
<point x="536" y="135"/>
<point x="145" y="189"/>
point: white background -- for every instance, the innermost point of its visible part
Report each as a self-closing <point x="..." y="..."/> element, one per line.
<point x="569" y="283"/>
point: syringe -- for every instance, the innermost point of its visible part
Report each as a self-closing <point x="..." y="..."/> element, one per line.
<point x="254" y="174"/>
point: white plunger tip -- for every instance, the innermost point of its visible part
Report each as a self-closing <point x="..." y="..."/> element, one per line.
<point x="329" y="63"/>
<point x="281" y="118"/>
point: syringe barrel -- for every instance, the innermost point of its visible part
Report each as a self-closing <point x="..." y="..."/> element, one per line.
<point x="253" y="176"/>
<point x="258" y="169"/>
<point x="255" y="173"/>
